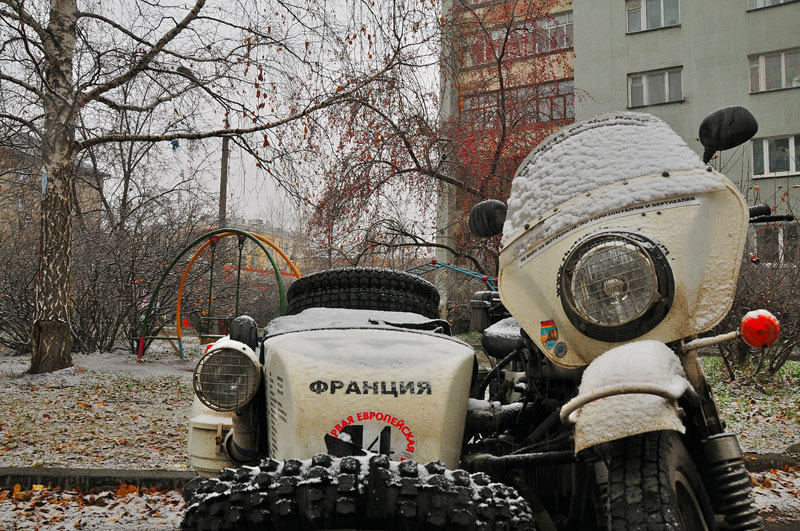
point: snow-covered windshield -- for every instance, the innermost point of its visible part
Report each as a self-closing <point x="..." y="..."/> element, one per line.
<point x="597" y="152"/>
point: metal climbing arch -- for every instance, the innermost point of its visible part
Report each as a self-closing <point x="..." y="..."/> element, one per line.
<point x="211" y="239"/>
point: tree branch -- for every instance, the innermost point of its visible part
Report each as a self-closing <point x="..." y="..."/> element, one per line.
<point x="147" y="58"/>
<point x="230" y="132"/>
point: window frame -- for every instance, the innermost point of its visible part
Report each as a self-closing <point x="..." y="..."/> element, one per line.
<point x="757" y="7"/>
<point x="547" y="28"/>
<point x="794" y="153"/>
<point x="545" y="31"/>
<point x="760" y="62"/>
<point x="480" y="109"/>
<point x="778" y="243"/>
<point x="643" y="17"/>
<point x="480" y="49"/>
<point x="644" y="87"/>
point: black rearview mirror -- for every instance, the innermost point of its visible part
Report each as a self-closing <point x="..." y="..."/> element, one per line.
<point x="726" y="128"/>
<point x="487" y="217"/>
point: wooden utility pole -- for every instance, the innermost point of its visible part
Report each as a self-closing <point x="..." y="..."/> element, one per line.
<point x="223" y="183"/>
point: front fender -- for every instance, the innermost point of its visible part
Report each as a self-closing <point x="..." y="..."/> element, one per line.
<point x="628" y="390"/>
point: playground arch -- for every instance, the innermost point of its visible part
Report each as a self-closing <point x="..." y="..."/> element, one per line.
<point x="211" y="239"/>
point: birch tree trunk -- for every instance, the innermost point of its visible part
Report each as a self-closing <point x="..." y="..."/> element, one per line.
<point x="51" y="325"/>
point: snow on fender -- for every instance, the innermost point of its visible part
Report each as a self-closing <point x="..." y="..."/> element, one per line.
<point x="628" y="390"/>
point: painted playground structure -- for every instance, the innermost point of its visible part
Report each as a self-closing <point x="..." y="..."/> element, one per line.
<point x="211" y="239"/>
<point x="434" y="265"/>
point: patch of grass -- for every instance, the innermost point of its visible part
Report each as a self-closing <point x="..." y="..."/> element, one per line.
<point x="473" y="338"/>
<point x="764" y="414"/>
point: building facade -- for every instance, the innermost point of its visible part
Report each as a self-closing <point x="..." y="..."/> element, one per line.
<point x="22" y="181"/>
<point x="506" y="81"/>
<point x="683" y="59"/>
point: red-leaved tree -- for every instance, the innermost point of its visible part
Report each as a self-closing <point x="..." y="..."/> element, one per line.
<point x="451" y="127"/>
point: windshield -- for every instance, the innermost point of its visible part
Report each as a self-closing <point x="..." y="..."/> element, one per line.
<point x="597" y="152"/>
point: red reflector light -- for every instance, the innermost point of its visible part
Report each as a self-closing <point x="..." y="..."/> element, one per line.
<point x="759" y="328"/>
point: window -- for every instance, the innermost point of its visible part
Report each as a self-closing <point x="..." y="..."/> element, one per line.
<point x="546" y="102"/>
<point x="549" y="35"/>
<point x="758" y="4"/>
<point x="555" y="101"/>
<point x="480" y="48"/>
<point x="776" y="155"/>
<point x="651" y="14"/>
<point x="651" y="88"/>
<point x="480" y="109"/>
<point x="778" y="244"/>
<point x="554" y="33"/>
<point x="776" y="70"/>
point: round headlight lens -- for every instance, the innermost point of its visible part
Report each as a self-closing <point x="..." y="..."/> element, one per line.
<point x="226" y="379"/>
<point x="616" y="286"/>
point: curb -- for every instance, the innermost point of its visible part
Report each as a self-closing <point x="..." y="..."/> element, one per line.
<point x="764" y="462"/>
<point x="92" y="478"/>
<point x="105" y="479"/>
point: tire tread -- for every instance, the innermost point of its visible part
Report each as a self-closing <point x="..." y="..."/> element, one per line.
<point x="340" y="495"/>
<point x="364" y="288"/>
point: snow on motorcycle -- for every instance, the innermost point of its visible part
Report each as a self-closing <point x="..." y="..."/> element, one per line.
<point x="620" y="249"/>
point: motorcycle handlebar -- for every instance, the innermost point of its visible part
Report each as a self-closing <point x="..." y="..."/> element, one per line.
<point x="766" y="219"/>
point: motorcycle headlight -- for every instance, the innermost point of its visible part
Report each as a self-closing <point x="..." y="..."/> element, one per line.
<point x="227" y="377"/>
<point x="616" y="286"/>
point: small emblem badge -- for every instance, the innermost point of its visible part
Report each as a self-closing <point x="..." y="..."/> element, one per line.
<point x="561" y="349"/>
<point x="549" y="334"/>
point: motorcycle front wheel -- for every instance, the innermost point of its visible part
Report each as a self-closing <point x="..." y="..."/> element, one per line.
<point x="653" y="485"/>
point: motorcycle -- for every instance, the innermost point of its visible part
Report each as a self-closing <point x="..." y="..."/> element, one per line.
<point x="620" y="249"/>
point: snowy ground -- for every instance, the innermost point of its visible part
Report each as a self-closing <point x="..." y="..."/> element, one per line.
<point x="777" y="494"/>
<point x="110" y="411"/>
<point x="107" y="411"/>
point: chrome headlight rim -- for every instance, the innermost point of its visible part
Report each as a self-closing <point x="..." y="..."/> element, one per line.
<point x="248" y="360"/>
<point x="658" y="306"/>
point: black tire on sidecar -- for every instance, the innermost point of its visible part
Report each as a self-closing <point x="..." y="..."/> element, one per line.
<point x="364" y="288"/>
<point x="354" y="493"/>
<point x="653" y="485"/>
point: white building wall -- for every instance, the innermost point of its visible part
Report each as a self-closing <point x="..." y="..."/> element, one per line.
<point x="712" y="44"/>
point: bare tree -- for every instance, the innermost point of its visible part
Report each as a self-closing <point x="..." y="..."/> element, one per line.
<point x="17" y="277"/>
<point x="244" y="70"/>
<point x="770" y="281"/>
<point x="506" y="66"/>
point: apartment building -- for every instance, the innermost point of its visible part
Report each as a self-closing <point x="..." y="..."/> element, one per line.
<point x="506" y="81"/>
<point x="681" y="60"/>
<point x="22" y="179"/>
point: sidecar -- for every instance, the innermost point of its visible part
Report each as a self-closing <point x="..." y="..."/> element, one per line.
<point x="330" y="412"/>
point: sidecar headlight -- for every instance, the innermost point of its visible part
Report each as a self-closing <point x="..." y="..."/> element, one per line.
<point x="228" y="376"/>
<point x="616" y="286"/>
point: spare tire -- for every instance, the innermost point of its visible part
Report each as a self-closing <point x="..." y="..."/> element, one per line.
<point x="355" y="493"/>
<point x="364" y="288"/>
